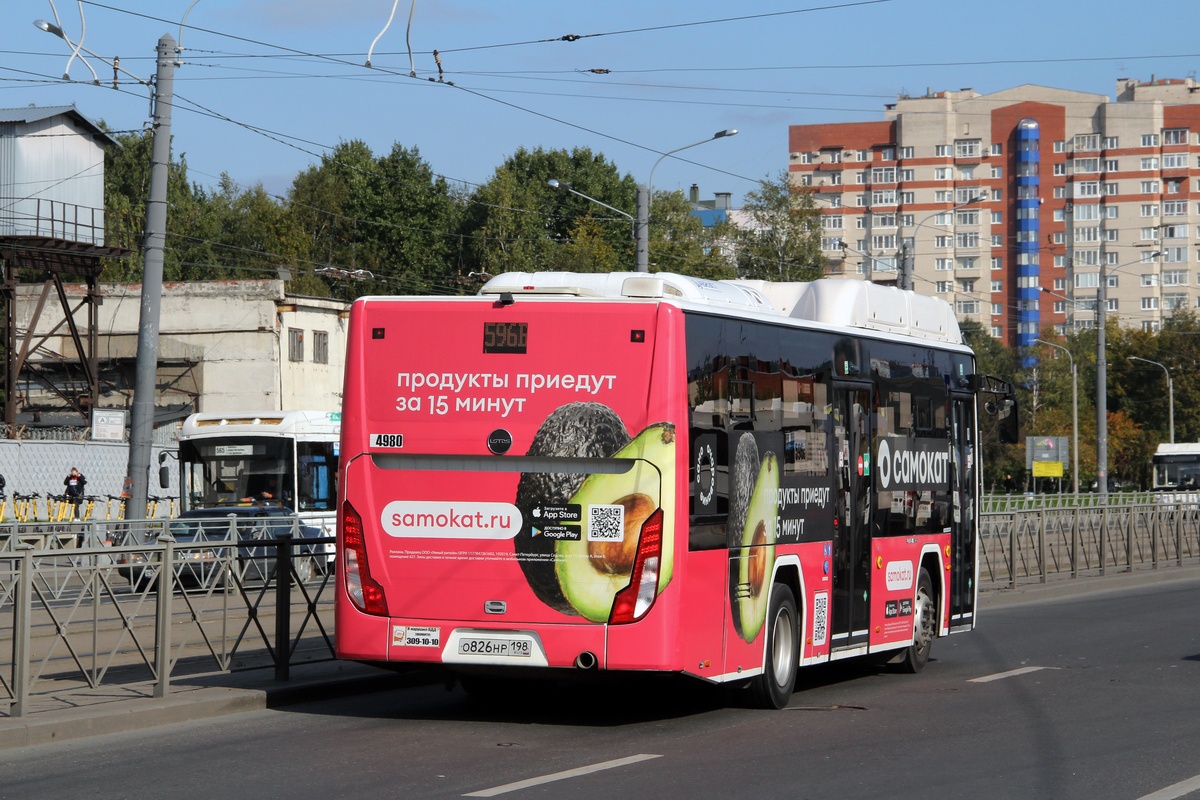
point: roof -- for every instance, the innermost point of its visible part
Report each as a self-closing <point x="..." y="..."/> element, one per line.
<point x="30" y="114"/>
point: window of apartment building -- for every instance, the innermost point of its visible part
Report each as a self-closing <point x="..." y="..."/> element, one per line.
<point x="1111" y="165"/>
<point x="1110" y="189"/>
<point x="1175" y="136"/>
<point x="1060" y="306"/>
<point x="943" y="264"/>
<point x="1060" y="261"/>
<point x="320" y="347"/>
<point x="1088" y="234"/>
<point x="907" y="198"/>
<point x="1111" y="211"/>
<point x="1111" y="142"/>
<point x="966" y="307"/>
<point x="1150" y="162"/>
<point x="1149" y="140"/>
<point x="1174" y="160"/>
<point x="834" y="200"/>
<point x="1175" y="277"/>
<point x="966" y="239"/>
<point x="997" y="217"/>
<point x="1111" y="234"/>
<point x="908" y="175"/>
<point x="1060" y="146"/>
<point x="967" y="217"/>
<point x="883" y="221"/>
<point x="968" y="193"/>
<point x="1174" y="186"/>
<point x="1150" y="325"/>
<point x="832" y="222"/>
<point x="1060" y="192"/>
<point x="864" y="155"/>
<point x="966" y="174"/>
<point x="906" y="220"/>
<point x="1174" y="301"/>
<point x="943" y="196"/>
<point x="1174" y="231"/>
<point x="942" y="242"/>
<point x="831" y="243"/>
<point x="1149" y="234"/>
<point x="1174" y="255"/>
<point x="997" y="332"/>
<point x="1083" y="165"/>
<point x="1060" y="284"/>
<point x="1058" y="214"/>
<point x="1086" y="258"/>
<point x="997" y="262"/>
<point x="860" y="200"/>
<point x="997" y="172"/>
<point x="883" y="242"/>
<point x="1087" y="189"/>
<point x="966" y="148"/>
<point x="860" y="223"/>
<point x="1149" y="304"/>
<point x="967" y="285"/>
<point x="1027" y="169"/>
<point x="1087" y="280"/>
<point x="883" y="175"/>
<point x="883" y="197"/>
<point x="806" y="158"/>
<point x="806" y="179"/>
<point x="1149" y="187"/>
<point x="967" y="262"/>
<point x="997" y="240"/>
<point x="942" y="150"/>
<point x="860" y="177"/>
<point x="1085" y="212"/>
<point x="1087" y="141"/>
<point x="1174" y="208"/>
<point x="295" y="344"/>
<point x="1149" y="279"/>
<point x="997" y="149"/>
<point x="997" y="286"/>
<point x="943" y="287"/>
<point x="1058" y="237"/>
<point x="942" y="173"/>
<point x="1149" y="209"/>
<point x="907" y="152"/>
<point x="835" y="179"/>
<point x="1060" y="168"/>
<point x="997" y="309"/>
<point x="887" y="154"/>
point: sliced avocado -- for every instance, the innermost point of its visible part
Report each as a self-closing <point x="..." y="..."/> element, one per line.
<point x="750" y="571"/>
<point x="741" y="486"/>
<point x="576" y="430"/>
<point x="592" y="570"/>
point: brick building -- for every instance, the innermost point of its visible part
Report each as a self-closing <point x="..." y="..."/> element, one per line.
<point x="1010" y="205"/>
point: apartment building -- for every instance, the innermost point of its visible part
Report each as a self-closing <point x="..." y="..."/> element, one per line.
<point x="1012" y="205"/>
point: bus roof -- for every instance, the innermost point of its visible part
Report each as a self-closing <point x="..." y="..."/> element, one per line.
<point x="829" y="302"/>
<point x="262" y="423"/>
<point x="1178" y="449"/>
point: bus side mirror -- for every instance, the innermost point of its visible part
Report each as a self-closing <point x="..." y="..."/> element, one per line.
<point x="164" y="476"/>
<point x="1007" y="418"/>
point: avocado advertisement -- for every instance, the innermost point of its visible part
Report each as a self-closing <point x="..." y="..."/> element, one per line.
<point x="580" y="532"/>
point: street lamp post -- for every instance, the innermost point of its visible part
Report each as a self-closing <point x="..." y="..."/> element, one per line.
<point x="1074" y="415"/>
<point x="638" y="231"/>
<point x="1170" y="395"/>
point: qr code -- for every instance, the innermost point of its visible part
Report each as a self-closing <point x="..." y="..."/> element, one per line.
<point x="606" y="523"/>
<point x="820" y="618"/>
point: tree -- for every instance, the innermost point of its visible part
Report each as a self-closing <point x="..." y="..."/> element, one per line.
<point x="781" y="241"/>
<point x="679" y="242"/>
<point x="517" y="223"/>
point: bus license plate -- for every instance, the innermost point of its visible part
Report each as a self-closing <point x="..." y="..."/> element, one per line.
<point x="495" y="646"/>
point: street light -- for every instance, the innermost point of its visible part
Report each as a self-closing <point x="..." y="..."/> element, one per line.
<point x="1102" y="375"/>
<point x="1170" y="395"/>
<point x="1074" y="414"/>
<point x="554" y="183"/>
<point x="717" y="135"/>
<point x="906" y="265"/>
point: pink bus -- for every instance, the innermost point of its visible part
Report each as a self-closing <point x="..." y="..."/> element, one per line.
<point x="653" y="472"/>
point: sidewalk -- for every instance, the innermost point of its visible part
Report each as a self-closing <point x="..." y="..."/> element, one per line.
<point x="76" y="713"/>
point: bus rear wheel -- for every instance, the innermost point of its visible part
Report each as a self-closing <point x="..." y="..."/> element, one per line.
<point x="773" y="688"/>
<point x="916" y="655"/>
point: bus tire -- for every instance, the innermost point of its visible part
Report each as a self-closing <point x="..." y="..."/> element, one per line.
<point x="916" y="655"/>
<point x="773" y="688"/>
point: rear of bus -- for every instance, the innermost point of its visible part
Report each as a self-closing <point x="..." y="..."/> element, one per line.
<point x="507" y="493"/>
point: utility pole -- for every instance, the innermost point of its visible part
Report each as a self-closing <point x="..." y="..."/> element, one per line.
<point x="141" y="431"/>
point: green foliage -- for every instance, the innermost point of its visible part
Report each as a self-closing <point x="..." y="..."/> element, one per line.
<point x="782" y="240"/>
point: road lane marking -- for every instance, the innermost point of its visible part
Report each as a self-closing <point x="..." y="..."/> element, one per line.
<point x="560" y="776"/>
<point x="1178" y="790"/>
<point x="1012" y="673"/>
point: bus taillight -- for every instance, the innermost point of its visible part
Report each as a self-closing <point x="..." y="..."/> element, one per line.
<point x="366" y="593"/>
<point x="632" y="602"/>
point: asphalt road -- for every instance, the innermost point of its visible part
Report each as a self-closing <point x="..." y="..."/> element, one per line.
<point x="1086" y="697"/>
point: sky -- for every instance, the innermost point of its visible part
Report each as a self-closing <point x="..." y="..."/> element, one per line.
<point x="265" y="88"/>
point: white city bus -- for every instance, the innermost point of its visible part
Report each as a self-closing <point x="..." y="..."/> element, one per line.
<point x="287" y="456"/>
<point x="1177" y="471"/>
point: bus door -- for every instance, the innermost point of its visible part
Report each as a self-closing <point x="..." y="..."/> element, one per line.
<point x="964" y="490"/>
<point x="849" y="616"/>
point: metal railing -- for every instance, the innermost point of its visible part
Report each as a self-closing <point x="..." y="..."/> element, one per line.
<point x="94" y="607"/>
<point x="1062" y="540"/>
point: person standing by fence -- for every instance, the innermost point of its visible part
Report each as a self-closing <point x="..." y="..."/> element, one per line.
<point x="74" y="483"/>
